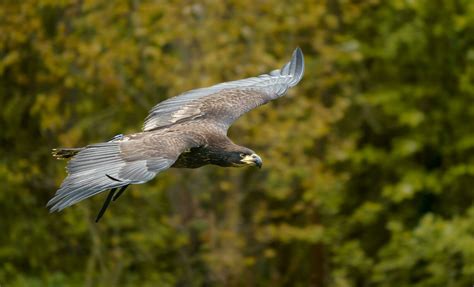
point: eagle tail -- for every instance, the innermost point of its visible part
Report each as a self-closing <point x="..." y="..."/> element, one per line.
<point x="65" y="153"/>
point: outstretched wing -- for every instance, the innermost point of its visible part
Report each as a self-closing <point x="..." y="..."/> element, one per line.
<point x="130" y="160"/>
<point x="228" y="101"/>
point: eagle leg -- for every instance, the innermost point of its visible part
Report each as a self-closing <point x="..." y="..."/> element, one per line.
<point x="119" y="193"/>
<point x="106" y="204"/>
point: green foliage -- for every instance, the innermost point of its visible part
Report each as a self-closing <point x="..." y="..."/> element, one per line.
<point x="368" y="162"/>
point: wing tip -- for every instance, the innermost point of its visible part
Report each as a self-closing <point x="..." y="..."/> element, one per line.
<point x="52" y="205"/>
<point x="55" y="204"/>
<point x="295" y="67"/>
<point x="297" y="52"/>
<point x="298" y="60"/>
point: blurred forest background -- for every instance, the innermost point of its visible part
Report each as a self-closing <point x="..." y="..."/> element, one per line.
<point x="369" y="162"/>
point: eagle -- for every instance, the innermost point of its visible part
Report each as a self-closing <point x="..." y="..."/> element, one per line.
<point x="185" y="131"/>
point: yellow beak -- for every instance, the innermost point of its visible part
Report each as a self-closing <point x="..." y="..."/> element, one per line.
<point x="253" y="160"/>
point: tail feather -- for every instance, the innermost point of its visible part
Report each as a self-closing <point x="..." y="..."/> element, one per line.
<point x="65" y="153"/>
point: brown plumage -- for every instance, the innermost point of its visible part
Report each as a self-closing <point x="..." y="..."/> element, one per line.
<point x="187" y="131"/>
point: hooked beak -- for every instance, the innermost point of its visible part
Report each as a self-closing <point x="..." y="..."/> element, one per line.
<point x="253" y="160"/>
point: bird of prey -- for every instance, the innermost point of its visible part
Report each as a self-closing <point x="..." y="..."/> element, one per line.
<point x="186" y="131"/>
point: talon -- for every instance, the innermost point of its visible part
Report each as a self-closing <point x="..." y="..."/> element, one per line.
<point x="106" y="204"/>
<point x="119" y="193"/>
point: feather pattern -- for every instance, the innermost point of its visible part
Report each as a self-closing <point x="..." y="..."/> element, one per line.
<point x="100" y="167"/>
<point x="226" y="102"/>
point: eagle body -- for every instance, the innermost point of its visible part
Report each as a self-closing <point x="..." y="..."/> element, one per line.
<point x="186" y="131"/>
<point x="221" y="153"/>
<point x="196" y="146"/>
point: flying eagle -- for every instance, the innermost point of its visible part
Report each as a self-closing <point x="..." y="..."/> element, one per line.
<point x="186" y="131"/>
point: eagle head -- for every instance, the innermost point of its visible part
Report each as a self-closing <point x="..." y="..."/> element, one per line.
<point x="246" y="157"/>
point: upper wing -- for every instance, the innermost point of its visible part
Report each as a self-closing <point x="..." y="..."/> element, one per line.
<point x="227" y="101"/>
<point x="129" y="160"/>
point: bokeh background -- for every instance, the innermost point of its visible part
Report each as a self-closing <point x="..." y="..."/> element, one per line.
<point x="368" y="163"/>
